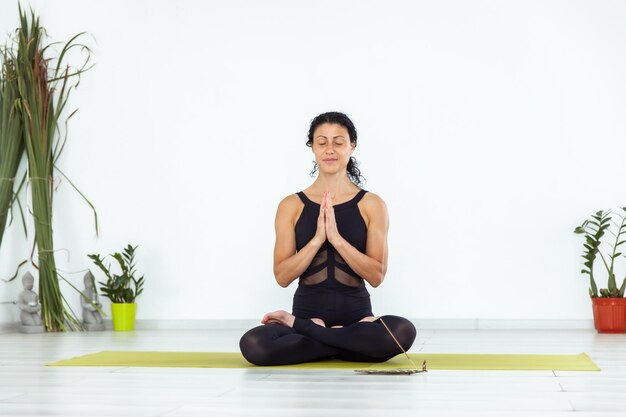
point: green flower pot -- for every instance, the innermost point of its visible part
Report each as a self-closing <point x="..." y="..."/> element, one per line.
<point x="123" y="316"/>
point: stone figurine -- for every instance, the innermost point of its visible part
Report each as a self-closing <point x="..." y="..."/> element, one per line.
<point x="92" y="318"/>
<point x="28" y="302"/>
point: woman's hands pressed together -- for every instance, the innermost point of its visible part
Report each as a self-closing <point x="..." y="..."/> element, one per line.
<point x="326" y="222"/>
<point x="320" y="232"/>
<point x="330" y="224"/>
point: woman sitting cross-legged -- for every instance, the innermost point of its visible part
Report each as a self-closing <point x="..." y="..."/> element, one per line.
<point x="333" y="236"/>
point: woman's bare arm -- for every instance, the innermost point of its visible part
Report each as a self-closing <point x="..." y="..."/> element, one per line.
<point x="289" y="264"/>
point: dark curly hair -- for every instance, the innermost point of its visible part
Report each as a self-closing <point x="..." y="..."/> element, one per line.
<point x="353" y="171"/>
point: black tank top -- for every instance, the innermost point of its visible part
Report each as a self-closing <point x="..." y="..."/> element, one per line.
<point x="328" y="269"/>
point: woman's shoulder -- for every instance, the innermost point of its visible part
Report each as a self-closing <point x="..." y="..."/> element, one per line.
<point x="373" y="201"/>
<point x="289" y="208"/>
<point x="292" y="200"/>
<point x="290" y="204"/>
<point x="372" y="206"/>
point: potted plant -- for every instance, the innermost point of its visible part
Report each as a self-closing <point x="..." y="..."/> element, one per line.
<point x="122" y="289"/>
<point x="609" y="304"/>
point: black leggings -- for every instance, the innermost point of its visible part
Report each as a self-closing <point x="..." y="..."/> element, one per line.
<point x="276" y="344"/>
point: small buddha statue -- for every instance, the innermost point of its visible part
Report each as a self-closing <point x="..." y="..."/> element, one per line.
<point x="92" y="318"/>
<point x="28" y="303"/>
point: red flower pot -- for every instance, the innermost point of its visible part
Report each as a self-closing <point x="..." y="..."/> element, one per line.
<point x="609" y="315"/>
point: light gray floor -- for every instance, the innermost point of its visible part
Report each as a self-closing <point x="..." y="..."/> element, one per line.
<point x="28" y="388"/>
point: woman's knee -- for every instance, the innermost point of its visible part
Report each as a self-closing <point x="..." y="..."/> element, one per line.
<point x="402" y="329"/>
<point x="254" y="346"/>
<point x="258" y="345"/>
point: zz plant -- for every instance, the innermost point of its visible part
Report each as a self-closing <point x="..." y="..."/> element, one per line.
<point x="593" y="231"/>
<point x="118" y="288"/>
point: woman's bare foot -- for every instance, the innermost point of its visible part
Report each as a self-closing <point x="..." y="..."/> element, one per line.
<point x="280" y="317"/>
<point x="319" y="322"/>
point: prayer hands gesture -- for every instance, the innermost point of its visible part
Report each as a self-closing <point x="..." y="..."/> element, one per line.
<point x="326" y="223"/>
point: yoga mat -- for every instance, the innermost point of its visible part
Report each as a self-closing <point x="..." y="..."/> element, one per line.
<point x="580" y="362"/>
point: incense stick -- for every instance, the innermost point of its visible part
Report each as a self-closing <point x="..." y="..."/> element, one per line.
<point x="394" y="371"/>
<point x="399" y="345"/>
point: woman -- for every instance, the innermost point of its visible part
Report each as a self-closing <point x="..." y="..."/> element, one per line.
<point x="333" y="236"/>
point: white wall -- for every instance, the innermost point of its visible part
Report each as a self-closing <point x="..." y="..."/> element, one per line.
<point x="490" y="128"/>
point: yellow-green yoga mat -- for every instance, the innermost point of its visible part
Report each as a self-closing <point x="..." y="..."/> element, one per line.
<point x="580" y="362"/>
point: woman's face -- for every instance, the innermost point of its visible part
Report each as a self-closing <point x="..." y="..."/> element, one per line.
<point x="332" y="147"/>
